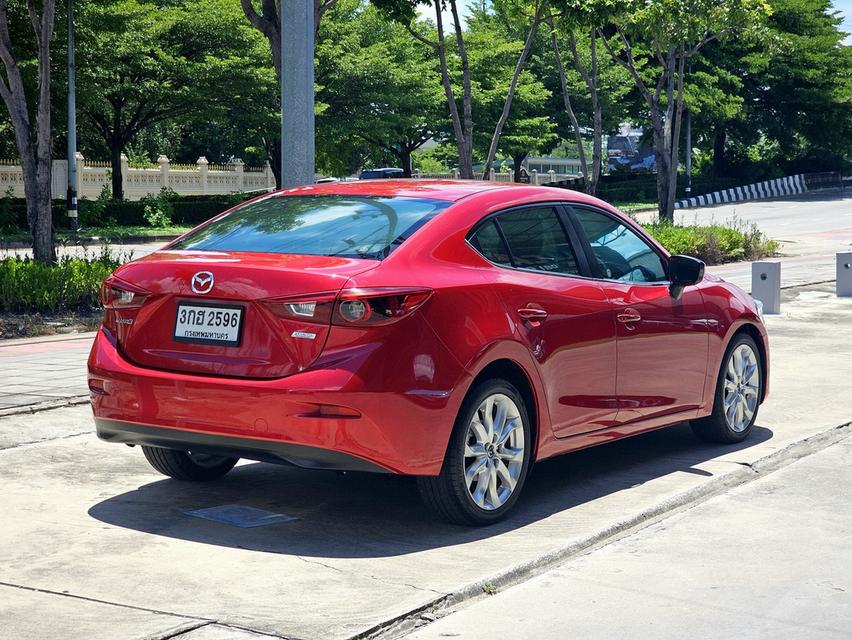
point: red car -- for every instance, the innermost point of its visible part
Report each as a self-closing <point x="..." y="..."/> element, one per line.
<point x="454" y="331"/>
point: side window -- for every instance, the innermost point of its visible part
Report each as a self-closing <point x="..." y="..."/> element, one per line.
<point x="538" y="241"/>
<point x="621" y="254"/>
<point x="489" y="243"/>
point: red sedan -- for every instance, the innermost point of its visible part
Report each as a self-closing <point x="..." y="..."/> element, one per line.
<point x="455" y="331"/>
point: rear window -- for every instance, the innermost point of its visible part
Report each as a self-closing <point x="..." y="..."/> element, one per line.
<point x="333" y="225"/>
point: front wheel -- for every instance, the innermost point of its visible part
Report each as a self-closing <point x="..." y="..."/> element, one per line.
<point x="739" y="387"/>
<point x="186" y="465"/>
<point x="487" y="459"/>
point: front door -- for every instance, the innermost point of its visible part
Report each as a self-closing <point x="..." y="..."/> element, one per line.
<point x="662" y="342"/>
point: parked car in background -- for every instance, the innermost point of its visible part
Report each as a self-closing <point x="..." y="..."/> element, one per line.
<point x="451" y="330"/>
<point x="381" y="174"/>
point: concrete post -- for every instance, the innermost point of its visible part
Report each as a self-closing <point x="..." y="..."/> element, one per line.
<point x="297" y="93"/>
<point x="125" y="173"/>
<point x="455" y="174"/>
<point x="844" y="274"/>
<point x="240" y="170"/>
<point x="270" y="177"/>
<point x="551" y="176"/>
<point x="766" y="284"/>
<point x="534" y="176"/>
<point x="416" y="174"/>
<point x="163" y="161"/>
<point x="203" y="165"/>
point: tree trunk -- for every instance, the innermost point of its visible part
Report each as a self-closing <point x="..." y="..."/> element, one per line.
<point x="513" y="86"/>
<point x="597" y="121"/>
<point x="720" y="162"/>
<point x="34" y="146"/>
<point x="663" y="158"/>
<point x="569" y="109"/>
<point x="518" y="161"/>
<point x="404" y="156"/>
<point x="466" y="149"/>
<point x="115" y="149"/>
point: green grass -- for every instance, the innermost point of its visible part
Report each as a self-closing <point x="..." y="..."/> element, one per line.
<point x="714" y="244"/>
<point x="27" y="286"/>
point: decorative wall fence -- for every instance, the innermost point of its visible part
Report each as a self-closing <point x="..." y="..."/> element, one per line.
<point x="509" y="176"/>
<point x="187" y="180"/>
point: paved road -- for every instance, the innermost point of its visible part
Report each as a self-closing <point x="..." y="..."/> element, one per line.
<point x="770" y="559"/>
<point x="112" y="552"/>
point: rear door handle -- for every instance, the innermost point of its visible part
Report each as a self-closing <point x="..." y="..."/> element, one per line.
<point x="529" y="313"/>
<point x="628" y="317"/>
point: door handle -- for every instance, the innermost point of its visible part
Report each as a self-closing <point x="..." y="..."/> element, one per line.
<point x="529" y="313"/>
<point x="628" y="317"/>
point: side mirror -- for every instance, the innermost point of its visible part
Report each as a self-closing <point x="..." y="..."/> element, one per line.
<point x="683" y="272"/>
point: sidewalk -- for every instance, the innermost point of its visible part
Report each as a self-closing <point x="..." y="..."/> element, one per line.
<point x="770" y="559"/>
<point x="43" y="371"/>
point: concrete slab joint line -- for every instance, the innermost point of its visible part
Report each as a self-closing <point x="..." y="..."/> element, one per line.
<point x="400" y="625"/>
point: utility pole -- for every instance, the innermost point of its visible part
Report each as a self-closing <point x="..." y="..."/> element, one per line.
<point x="71" y="194"/>
<point x="688" y="153"/>
<point x="297" y="93"/>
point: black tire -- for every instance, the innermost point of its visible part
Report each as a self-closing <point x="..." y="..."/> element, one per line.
<point x="715" y="427"/>
<point x="447" y="494"/>
<point x="183" y="465"/>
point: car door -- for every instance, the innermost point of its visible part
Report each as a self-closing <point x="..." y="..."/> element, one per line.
<point x="564" y="320"/>
<point x="662" y="341"/>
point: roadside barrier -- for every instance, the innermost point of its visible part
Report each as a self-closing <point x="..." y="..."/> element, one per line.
<point x="788" y="186"/>
<point x="766" y="285"/>
<point x="844" y="274"/>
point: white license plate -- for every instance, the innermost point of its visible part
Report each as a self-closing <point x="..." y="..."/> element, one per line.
<point x="209" y="323"/>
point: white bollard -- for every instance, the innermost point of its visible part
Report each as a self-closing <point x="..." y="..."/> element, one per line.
<point x="766" y="285"/>
<point x="844" y="273"/>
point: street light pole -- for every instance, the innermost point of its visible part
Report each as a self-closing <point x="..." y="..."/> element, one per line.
<point x="71" y="194"/>
<point x="297" y="92"/>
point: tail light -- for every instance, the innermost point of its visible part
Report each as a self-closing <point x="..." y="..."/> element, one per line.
<point x="121" y="301"/>
<point x="116" y="294"/>
<point x="352" y="307"/>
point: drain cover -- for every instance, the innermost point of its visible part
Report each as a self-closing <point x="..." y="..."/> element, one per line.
<point x="241" y="516"/>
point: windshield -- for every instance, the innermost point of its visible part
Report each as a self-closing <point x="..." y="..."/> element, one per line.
<point x="328" y="225"/>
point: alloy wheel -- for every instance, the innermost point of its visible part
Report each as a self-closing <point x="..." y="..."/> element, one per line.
<point x="494" y="452"/>
<point x="742" y="388"/>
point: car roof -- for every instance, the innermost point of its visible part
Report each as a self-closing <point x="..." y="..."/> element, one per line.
<point x="449" y="190"/>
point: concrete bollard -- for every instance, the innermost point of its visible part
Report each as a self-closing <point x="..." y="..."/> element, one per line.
<point x="844" y="273"/>
<point x="766" y="285"/>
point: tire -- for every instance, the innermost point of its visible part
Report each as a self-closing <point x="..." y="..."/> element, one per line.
<point x="185" y="465"/>
<point x="490" y="494"/>
<point x="726" y="424"/>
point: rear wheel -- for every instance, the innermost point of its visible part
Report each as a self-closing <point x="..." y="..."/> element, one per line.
<point x="487" y="459"/>
<point x="186" y="465"/>
<point x="739" y="387"/>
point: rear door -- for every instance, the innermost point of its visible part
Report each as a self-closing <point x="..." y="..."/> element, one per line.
<point x="662" y="342"/>
<point x="564" y="320"/>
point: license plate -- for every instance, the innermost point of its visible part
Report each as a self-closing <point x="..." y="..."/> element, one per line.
<point x="209" y="323"/>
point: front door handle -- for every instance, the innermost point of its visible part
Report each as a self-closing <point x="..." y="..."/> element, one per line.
<point x="529" y="313"/>
<point x="628" y="316"/>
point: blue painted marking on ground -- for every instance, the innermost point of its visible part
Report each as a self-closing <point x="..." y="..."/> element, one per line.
<point x="241" y="516"/>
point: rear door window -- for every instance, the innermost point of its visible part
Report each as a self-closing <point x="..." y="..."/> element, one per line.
<point x="537" y="241"/>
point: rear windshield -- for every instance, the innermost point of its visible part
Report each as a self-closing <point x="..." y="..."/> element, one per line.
<point x="333" y="225"/>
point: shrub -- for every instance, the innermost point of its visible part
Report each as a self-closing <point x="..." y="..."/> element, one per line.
<point x="714" y="244"/>
<point x="27" y="286"/>
<point x="158" y="210"/>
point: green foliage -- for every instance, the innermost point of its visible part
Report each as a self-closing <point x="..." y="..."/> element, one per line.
<point x="714" y="244"/>
<point x="27" y="286"/>
<point x="94" y="213"/>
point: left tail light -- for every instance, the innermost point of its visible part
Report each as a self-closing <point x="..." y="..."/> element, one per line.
<point x="352" y="307"/>
<point x="116" y="294"/>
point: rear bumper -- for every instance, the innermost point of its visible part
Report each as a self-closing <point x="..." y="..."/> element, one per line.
<point x="250" y="448"/>
<point x="388" y="423"/>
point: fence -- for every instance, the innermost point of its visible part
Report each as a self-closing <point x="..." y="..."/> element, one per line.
<point x="509" y="176"/>
<point x="186" y="180"/>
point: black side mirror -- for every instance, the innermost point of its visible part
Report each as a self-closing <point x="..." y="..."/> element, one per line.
<point x="683" y="272"/>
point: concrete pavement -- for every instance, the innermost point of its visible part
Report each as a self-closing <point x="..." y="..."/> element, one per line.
<point x="86" y="522"/>
<point x="770" y="559"/>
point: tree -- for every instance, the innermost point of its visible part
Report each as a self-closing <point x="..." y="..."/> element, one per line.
<point x="652" y="39"/>
<point x="33" y="141"/>
<point x="143" y="64"/>
<point x="376" y="86"/>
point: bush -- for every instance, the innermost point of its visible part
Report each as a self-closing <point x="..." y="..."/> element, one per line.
<point x="158" y="210"/>
<point x="714" y="244"/>
<point x="27" y="286"/>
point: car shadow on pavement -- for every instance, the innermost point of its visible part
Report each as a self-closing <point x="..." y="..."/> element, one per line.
<point x="361" y="515"/>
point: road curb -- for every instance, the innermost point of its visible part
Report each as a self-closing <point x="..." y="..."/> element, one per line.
<point x="743" y="474"/>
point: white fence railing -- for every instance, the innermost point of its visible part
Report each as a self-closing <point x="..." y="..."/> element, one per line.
<point x="187" y="180"/>
<point x="509" y="176"/>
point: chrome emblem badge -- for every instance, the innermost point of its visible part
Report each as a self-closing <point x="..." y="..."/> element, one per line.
<point x="202" y="282"/>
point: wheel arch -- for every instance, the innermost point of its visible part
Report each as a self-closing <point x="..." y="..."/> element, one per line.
<point x="512" y="372"/>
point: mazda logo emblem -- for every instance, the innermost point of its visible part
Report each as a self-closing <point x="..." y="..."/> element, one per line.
<point x="202" y="282"/>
